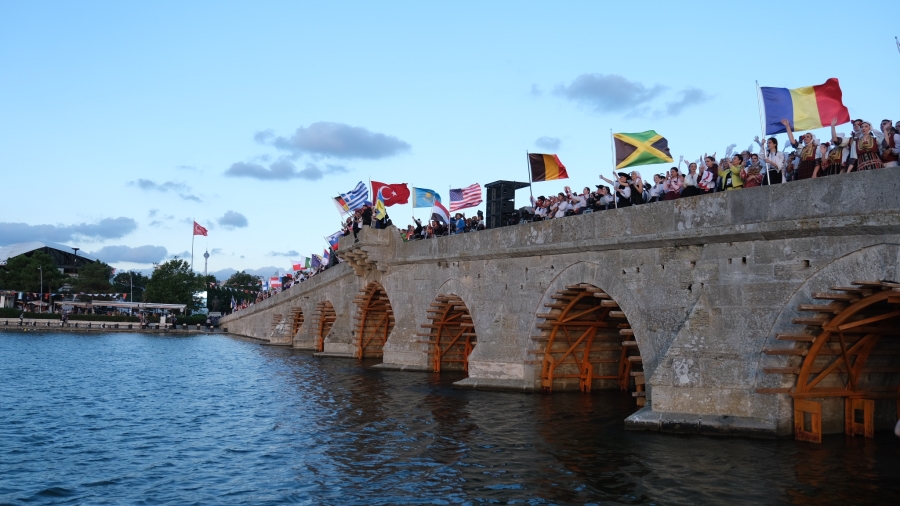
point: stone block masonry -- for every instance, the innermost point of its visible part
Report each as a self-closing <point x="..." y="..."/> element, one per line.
<point x="701" y="286"/>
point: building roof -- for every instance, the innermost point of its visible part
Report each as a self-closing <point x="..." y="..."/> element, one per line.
<point x="14" y="250"/>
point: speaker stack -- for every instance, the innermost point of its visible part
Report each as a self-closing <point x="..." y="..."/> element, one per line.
<point x="501" y="203"/>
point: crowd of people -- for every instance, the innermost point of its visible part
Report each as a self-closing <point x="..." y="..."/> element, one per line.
<point x="864" y="149"/>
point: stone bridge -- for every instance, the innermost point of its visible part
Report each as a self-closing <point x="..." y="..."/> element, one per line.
<point x="749" y="312"/>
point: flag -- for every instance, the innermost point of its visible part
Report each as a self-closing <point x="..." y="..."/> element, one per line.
<point x="341" y="205"/>
<point x="275" y="282"/>
<point x="805" y="108"/>
<point x="423" y="197"/>
<point x="356" y="197"/>
<point x="333" y="239"/>
<point x="316" y="261"/>
<point x="439" y="213"/>
<point x="233" y="303"/>
<point x="326" y="256"/>
<point x="546" y="167"/>
<point x="397" y="193"/>
<point x="198" y="230"/>
<point x="641" y="149"/>
<point x="380" y="211"/>
<point x="470" y="196"/>
<point x="297" y="266"/>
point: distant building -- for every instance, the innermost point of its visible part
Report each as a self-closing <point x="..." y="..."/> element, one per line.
<point x="67" y="259"/>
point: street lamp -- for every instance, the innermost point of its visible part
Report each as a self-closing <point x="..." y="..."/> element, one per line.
<point x="75" y="262"/>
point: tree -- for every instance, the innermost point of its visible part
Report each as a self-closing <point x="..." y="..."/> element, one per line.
<point x="122" y="283"/>
<point x="174" y="283"/>
<point x="241" y="278"/>
<point x="93" y="278"/>
<point x="23" y="273"/>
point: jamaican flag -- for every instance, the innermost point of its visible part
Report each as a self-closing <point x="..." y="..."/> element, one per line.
<point x="641" y="149"/>
<point x="546" y="168"/>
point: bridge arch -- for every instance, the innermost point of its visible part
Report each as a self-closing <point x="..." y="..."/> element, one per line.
<point x="582" y="338"/>
<point x="449" y="333"/>
<point x="833" y="355"/>
<point x="322" y="322"/>
<point x="296" y="319"/>
<point x="374" y="320"/>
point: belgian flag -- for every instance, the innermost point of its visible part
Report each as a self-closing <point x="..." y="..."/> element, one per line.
<point x="641" y="149"/>
<point x="546" y="167"/>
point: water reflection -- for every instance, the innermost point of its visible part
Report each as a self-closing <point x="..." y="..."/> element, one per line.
<point x="123" y="418"/>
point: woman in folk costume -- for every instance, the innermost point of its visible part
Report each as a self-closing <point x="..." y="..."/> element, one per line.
<point x="753" y="174"/>
<point x="809" y="159"/>
<point x="691" y="182"/>
<point x="774" y="159"/>
<point x="867" y="149"/>
<point x="637" y="188"/>
<point x="890" y="145"/>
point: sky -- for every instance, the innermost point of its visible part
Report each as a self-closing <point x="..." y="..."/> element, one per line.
<point x="123" y="122"/>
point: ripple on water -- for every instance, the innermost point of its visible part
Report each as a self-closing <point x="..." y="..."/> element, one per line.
<point x="132" y="418"/>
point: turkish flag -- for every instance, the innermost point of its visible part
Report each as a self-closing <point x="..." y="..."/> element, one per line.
<point x="392" y="194"/>
<point x="198" y="230"/>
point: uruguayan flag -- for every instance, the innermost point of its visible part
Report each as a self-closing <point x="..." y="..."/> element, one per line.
<point x="356" y="197"/>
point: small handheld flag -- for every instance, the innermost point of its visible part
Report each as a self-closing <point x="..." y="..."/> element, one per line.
<point x="439" y="213"/>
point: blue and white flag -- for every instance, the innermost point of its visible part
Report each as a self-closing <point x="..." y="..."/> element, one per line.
<point x="357" y="197"/>
<point x="423" y="197"/>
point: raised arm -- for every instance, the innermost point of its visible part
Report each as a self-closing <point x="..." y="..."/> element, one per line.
<point x="834" y="136"/>
<point x="607" y="180"/>
<point x="787" y="125"/>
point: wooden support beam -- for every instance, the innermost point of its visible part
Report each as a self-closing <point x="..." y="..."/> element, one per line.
<point x="795" y="337"/>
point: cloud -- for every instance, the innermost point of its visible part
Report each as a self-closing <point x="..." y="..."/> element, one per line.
<point x="107" y="228"/>
<point x="152" y="213"/>
<point x="608" y="92"/>
<point x="282" y="170"/>
<point x="291" y="253"/>
<point x="232" y="219"/>
<point x="215" y="251"/>
<point x="140" y="255"/>
<point x="155" y="223"/>
<point x="551" y="143"/>
<point x="264" y="136"/>
<point x="689" y="97"/>
<point x="188" y="167"/>
<point x="536" y="91"/>
<point x="169" y="186"/>
<point x="337" y="140"/>
<point x="183" y="255"/>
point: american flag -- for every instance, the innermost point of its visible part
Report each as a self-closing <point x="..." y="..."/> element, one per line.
<point x="461" y="198"/>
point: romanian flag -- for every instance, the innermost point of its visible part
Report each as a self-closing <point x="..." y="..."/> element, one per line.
<point x="806" y="108"/>
<point x="546" y="168"/>
<point x="642" y="148"/>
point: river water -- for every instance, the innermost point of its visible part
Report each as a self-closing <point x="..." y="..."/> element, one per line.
<point x="212" y="419"/>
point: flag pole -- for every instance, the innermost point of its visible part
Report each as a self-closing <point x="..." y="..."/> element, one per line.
<point x="530" y="182"/>
<point x="192" y="244"/>
<point x="762" y="130"/>
<point x="612" y="154"/>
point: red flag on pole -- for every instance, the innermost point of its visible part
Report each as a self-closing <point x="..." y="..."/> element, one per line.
<point x="198" y="230"/>
<point x="397" y="193"/>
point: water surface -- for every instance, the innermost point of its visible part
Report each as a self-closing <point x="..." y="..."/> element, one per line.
<point x="210" y="419"/>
